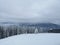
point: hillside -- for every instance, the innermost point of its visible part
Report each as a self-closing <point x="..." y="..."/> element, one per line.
<point x="32" y="39"/>
<point x="46" y="25"/>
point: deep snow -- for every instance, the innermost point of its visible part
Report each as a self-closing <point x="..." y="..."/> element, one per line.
<point x="32" y="39"/>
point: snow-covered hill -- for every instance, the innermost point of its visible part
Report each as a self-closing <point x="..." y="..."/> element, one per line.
<point x="32" y="39"/>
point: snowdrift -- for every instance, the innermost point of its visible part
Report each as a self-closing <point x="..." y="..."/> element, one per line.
<point x="33" y="39"/>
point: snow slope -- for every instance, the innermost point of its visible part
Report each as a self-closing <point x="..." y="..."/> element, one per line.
<point x="33" y="39"/>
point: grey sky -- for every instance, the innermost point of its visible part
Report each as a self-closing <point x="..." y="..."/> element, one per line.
<point x="30" y="10"/>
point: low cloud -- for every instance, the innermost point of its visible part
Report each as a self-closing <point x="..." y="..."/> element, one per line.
<point x="30" y="10"/>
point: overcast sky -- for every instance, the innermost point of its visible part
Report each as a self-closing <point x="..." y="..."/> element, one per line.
<point x="30" y="11"/>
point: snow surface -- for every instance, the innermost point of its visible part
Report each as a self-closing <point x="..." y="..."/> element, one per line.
<point x="32" y="39"/>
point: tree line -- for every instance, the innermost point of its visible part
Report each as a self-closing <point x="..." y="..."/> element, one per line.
<point x="15" y="30"/>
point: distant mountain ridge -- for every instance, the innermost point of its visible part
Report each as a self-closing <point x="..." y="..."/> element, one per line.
<point x="51" y="25"/>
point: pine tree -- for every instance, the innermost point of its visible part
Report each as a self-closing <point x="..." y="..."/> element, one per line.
<point x="36" y="30"/>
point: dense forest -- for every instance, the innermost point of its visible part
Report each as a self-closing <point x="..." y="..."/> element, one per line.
<point x="6" y="31"/>
<point x="15" y="30"/>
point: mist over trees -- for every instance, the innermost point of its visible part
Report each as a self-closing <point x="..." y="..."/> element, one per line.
<point x="6" y="31"/>
<point x="15" y="30"/>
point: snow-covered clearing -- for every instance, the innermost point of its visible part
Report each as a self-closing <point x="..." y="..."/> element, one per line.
<point x="32" y="39"/>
